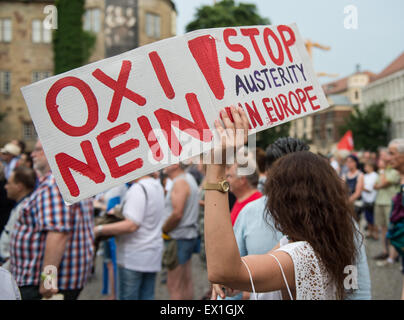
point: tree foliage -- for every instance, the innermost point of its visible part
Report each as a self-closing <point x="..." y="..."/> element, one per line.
<point x="226" y="13"/>
<point x="370" y="127"/>
<point x="71" y="44"/>
<point x="266" y="137"/>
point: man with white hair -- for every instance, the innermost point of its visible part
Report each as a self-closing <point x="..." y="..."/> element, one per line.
<point x="244" y="187"/>
<point x="396" y="151"/>
<point x="9" y="155"/>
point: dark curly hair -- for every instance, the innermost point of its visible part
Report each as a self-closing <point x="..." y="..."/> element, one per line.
<point x="282" y="146"/>
<point x="308" y="202"/>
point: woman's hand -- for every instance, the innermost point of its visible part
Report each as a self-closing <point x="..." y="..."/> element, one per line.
<point x="233" y="135"/>
<point x="219" y="290"/>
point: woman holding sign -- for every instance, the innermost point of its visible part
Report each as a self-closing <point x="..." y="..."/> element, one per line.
<point x="310" y="263"/>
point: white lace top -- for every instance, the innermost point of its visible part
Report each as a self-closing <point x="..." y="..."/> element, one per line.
<point x="312" y="280"/>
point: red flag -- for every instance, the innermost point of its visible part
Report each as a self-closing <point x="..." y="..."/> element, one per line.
<point x="346" y="142"/>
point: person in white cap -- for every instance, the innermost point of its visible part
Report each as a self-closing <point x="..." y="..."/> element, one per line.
<point x="9" y="155"/>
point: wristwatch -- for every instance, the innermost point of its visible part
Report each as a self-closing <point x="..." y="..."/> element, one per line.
<point x="222" y="186"/>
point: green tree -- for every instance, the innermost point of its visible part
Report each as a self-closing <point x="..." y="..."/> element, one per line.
<point x="71" y="44"/>
<point x="226" y="13"/>
<point x="370" y="127"/>
<point x="266" y="137"/>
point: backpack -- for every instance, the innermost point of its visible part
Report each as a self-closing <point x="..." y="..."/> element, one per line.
<point x="116" y="215"/>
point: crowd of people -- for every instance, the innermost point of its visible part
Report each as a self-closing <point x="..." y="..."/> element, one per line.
<point x="287" y="230"/>
<point x="373" y="182"/>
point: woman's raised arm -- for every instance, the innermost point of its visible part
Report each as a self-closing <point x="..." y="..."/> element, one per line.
<point x="224" y="263"/>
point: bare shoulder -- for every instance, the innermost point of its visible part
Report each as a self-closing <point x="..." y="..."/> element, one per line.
<point x="270" y="270"/>
<point x="181" y="183"/>
<point x="284" y="258"/>
<point x="180" y="186"/>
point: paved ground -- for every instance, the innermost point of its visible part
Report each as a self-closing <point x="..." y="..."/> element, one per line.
<point x="386" y="281"/>
<point x="93" y="289"/>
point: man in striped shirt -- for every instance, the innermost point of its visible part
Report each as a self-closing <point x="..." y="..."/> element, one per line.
<point x="51" y="244"/>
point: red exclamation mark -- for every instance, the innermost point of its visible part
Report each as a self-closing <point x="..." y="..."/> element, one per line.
<point x="204" y="51"/>
<point x="161" y="74"/>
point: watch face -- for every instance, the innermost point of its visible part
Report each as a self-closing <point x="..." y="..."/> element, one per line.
<point x="226" y="186"/>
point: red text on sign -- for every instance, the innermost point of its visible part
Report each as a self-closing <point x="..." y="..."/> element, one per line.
<point x="89" y="98"/>
<point x="283" y="43"/>
<point x="120" y="89"/>
<point x="91" y="169"/>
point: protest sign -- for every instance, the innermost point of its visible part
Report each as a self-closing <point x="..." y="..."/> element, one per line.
<point x="120" y="118"/>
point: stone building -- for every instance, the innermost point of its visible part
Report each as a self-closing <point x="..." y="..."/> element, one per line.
<point x="326" y="123"/>
<point x="26" y="56"/>
<point x="388" y="87"/>
<point x="302" y="128"/>
<point x="342" y="95"/>
<point x="26" y="53"/>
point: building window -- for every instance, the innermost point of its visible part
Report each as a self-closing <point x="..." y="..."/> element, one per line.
<point x="5" y="82"/>
<point x="29" y="132"/>
<point x="92" y="19"/>
<point x="356" y="94"/>
<point x="317" y="120"/>
<point x="40" y="34"/>
<point x="5" y="30"/>
<point x="317" y="135"/>
<point x="330" y="136"/>
<point x="40" y="75"/>
<point x="330" y="116"/>
<point x="153" y="25"/>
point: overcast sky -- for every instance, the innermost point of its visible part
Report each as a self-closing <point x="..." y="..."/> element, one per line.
<point x="377" y="41"/>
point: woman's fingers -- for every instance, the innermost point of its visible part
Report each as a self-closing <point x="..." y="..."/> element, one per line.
<point x="217" y="290"/>
<point x="233" y="133"/>
<point x="241" y="126"/>
<point x="244" y="118"/>
<point x="219" y="127"/>
<point x="245" y="123"/>
<point x="228" y="124"/>
<point x="223" y="138"/>
<point x="214" y="294"/>
<point x="238" y="124"/>
<point x="232" y="292"/>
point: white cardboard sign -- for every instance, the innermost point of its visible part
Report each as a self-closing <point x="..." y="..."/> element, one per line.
<point x="120" y="118"/>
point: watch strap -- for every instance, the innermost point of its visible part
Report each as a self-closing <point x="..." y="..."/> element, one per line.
<point x="216" y="186"/>
<point x="212" y="186"/>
